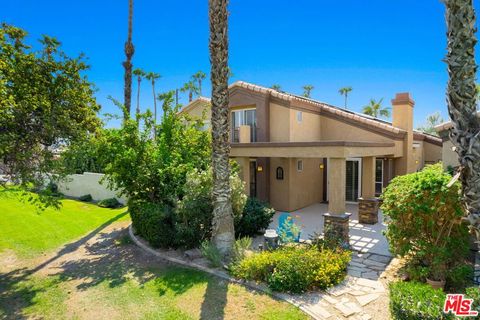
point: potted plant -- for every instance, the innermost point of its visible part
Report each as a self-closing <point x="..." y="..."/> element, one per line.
<point x="438" y="270"/>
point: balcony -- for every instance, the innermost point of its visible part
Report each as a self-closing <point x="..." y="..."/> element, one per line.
<point x="244" y="134"/>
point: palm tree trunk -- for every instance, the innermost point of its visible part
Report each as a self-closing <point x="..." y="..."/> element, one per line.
<point x="346" y="94"/>
<point x="176" y="97"/>
<point x="190" y="96"/>
<point x="127" y="64"/>
<point x="461" y="100"/>
<point x="154" y="110"/>
<point x="223" y="229"/>
<point x="139" y="80"/>
<point x="200" y="87"/>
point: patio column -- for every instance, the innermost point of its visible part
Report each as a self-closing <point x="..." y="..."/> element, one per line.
<point x="335" y="223"/>
<point x="244" y="163"/>
<point x="368" y="204"/>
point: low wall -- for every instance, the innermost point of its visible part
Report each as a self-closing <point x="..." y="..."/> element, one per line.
<point x="77" y="185"/>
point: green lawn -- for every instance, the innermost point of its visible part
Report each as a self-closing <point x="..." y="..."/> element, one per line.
<point x="108" y="277"/>
<point x="30" y="232"/>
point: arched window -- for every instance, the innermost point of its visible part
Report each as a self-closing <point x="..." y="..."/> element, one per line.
<point x="279" y="173"/>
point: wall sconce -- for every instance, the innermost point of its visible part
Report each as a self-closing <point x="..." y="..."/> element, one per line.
<point x="416" y="161"/>
<point x="322" y="166"/>
<point x="259" y="168"/>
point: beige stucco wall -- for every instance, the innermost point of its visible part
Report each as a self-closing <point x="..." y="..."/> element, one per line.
<point x="280" y="189"/>
<point x="417" y="154"/>
<point x="432" y="152"/>
<point x="198" y="110"/>
<point x="332" y="129"/>
<point x="279" y="123"/>
<point x="449" y="157"/>
<point x="309" y="129"/>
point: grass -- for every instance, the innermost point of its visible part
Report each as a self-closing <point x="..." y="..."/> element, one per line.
<point x="29" y="232"/>
<point x="110" y="278"/>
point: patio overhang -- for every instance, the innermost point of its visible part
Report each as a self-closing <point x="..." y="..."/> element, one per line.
<point x="316" y="149"/>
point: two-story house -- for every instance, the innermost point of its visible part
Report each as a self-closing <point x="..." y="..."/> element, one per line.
<point x="294" y="151"/>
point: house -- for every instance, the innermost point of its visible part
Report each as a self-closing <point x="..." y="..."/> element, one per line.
<point x="294" y="151"/>
<point x="449" y="156"/>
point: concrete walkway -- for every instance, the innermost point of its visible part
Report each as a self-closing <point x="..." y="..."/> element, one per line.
<point x="363" y="238"/>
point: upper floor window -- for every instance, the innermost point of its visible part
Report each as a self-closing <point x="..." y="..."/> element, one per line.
<point x="299" y="116"/>
<point x="299" y="165"/>
<point x="245" y="117"/>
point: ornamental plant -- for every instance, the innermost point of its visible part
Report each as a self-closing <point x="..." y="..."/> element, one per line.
<point x="424" y="222"/>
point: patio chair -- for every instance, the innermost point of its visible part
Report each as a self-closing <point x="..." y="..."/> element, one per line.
<point x="285" y="221"/>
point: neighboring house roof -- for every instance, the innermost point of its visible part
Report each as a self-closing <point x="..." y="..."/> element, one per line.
<point x="448" y="125"/>
<point x="194" y="103"/>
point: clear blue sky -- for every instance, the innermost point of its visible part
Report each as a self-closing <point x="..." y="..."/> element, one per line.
<point x="379" y="47"/>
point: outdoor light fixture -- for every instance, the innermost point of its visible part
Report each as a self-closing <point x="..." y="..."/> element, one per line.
<point x="321" y="166"/>
<point x="259" y="168"/>
<point x="416" y="161"/>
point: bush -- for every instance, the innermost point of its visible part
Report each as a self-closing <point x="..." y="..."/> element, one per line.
<point x="413" y="300"/>
<point x="85" y="198"/>
<point x="153" y="222"/>
<point x="211" y="253"/>
<point x="111" y="203"/>
<point x="256" y="216"/>
<point x="474" y="293"/>
<point x="240" y="248"/>
<point x="294" y="269"/>
<point x="424" y="222"/>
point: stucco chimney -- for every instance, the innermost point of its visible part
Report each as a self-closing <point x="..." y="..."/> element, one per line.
<point x="402" y="118"/>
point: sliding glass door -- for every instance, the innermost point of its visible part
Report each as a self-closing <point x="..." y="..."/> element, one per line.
<point x="352" y="190"/>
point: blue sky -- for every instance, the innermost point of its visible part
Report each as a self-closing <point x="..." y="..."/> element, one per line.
<point x="379" y="47"/>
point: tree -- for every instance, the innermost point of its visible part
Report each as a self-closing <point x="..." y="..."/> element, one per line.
<point x="222" y="225"/>
<point x="198" y="77"/>
<point x="432" y="121"/>
<point x="462" y="102"/>
<point x="375" y="109"/>
<point x="344" y="92"/>
<point x="307" y="89"/>
<point x="46" y="104"/>
<point x="191" y="88"/>
<point x="127" y="64"/>
<point x="152" y="76"/>
<point x="276" y="87"/>
<point x="140" y="74"/>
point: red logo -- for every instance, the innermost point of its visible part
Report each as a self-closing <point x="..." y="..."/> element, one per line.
<point x="459" y="305"/>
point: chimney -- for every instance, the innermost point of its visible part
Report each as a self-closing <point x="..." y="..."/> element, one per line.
<point x="402" y="118"/>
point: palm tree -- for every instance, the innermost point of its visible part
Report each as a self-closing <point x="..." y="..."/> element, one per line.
<point x="462" y="102"/>
<point x="276" y="87"/>
<point x="433" y="120"/>
<point x="344" y="92"/>
<point x="191" y="88"/>
<point x="127" y="64"/>
<point x="375" y="109"/>
<point x="140" y="74"/>
<point x="307" y="89"/>
<point x="152" y="76"/>
<point x="198" y="77"/>
<point x="222" y="225"/>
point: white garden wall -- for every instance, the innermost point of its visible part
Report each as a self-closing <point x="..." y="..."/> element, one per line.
<point x="77" y="185"/>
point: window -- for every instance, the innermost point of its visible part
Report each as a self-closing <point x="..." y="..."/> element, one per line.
<point x="299" y="116"/>
<point x="244" y="118"/>
<point x="299" y="165"/>
<point x="279" y="173"/>
<point x="378" y="177"/>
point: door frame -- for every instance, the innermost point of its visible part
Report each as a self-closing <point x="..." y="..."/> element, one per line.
<point x="359" y="160"/>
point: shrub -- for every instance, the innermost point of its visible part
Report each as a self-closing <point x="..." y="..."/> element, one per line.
<point x="85" y="198"/>
<point x="109" y="203"/>
<point x="256" y="216"/>
<point x="424" y="222"/>
<point x="211" y="253"/>
<point x="154" y="222"/>
<point x="294" y="269"/>
<point x="413" y="300"/>
<point x="474" y="293"/>
<point x="240" y="248"/>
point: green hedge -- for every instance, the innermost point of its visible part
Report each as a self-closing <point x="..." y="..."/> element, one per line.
<point x="294" y="269"/>
<point x="413" y="301"/>
<point x="256" y="216"/>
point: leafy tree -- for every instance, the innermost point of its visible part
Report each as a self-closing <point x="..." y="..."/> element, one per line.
<point x="462" y="101"/>
<point x="127" y="64"/>
<point x="344" y="92"/>
<point x="307" y="90"/>
<point x="191" y="88"/>
<point x="432" y="121"/>
<point x="46" y="104"/>
<point x="222" y="225"/>
<point x="375" y="109"/>
<point x="139" y="73"/>
<point x="199" y="77"/>
<point x="276" y="87"/>
<point x="152" y="76"/>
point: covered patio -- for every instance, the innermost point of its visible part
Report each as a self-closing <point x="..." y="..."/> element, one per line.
<point x="363" y="237"/>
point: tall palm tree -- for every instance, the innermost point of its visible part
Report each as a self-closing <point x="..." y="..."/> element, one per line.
<point x="222" y="225"/>
<point x="307" y="89"/>
<point x="375" y="109"/>
<point x="127" y="64"/>
<point x="152" y="76"/>
<point x="198" y="77"/>
<point x="191" y="88"/>
<point x="432" y="121"/>
<point x="276" y="87"/>
<point x="344" y="92"/>
<point x="462" y="101"/>
<point x="140" y="74"/>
